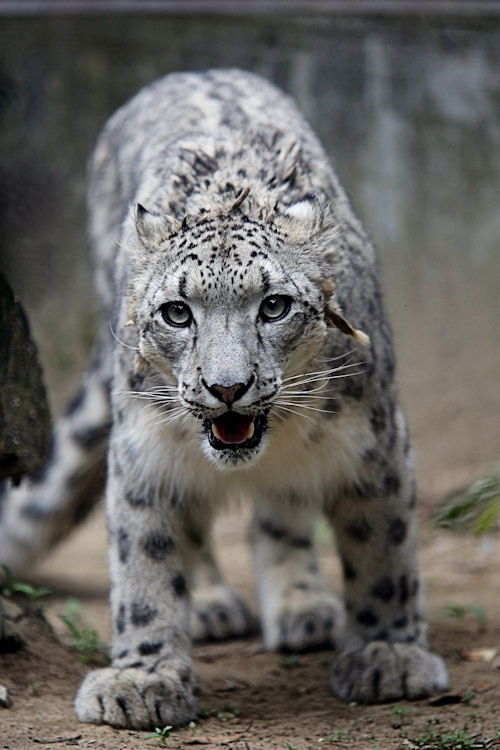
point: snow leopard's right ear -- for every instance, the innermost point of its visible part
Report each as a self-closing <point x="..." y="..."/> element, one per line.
<point x="153" y="228"/>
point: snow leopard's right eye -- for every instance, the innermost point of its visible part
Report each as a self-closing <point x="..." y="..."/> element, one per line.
<point x="176" y="314"/>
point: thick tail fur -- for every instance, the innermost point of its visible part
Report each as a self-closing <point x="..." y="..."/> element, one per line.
<point x="39" y="512"/>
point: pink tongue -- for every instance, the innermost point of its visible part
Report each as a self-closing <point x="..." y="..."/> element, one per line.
<point x="233" y="428"/>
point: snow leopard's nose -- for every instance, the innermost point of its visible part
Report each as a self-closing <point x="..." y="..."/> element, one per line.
<point x="228" y="393"/>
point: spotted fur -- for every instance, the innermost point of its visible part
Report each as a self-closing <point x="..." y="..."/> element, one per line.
<point x="250" y="354"/>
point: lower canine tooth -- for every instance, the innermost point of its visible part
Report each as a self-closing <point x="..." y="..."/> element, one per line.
<point x="216" y="432"/>
<point x="251" y="430"/>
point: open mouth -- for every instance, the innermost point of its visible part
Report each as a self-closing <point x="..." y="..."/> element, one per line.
<point x="235" y="431"/>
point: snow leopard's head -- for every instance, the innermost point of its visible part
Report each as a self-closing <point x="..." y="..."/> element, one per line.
<point x="233" y="308"/>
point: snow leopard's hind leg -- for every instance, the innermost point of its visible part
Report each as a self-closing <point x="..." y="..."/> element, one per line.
<point x="217" y="611"/>
<point x="298" y="611"/>
<point x="38" y="513"/>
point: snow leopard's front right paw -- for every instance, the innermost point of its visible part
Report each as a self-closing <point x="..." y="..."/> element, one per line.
<point x="136" y="699"/>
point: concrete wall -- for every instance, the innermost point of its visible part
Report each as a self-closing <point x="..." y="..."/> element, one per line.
<point x="409" y="110"/>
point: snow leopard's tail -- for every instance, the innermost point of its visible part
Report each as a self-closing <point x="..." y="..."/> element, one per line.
<point x="39" y="512"/>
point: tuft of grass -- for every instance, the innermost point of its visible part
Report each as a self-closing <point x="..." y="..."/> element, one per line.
<point x="340" y="735"/>
<point x="400" y="716"/>
<point x="469" y="696"/>
<point x="228" y="713"/>
<point x="461" y="610"/>
<point x="161" y="735"/>
<point x="290" y="662"/>
<point x="474" y="508"/>
<point x="9" y="586"/>
<point x="207" y="713"/>
<point x="83" y="639"/>
<point x="459" y="739"/>
<point x="400" y="710"/>
<point x="33" y="688"/>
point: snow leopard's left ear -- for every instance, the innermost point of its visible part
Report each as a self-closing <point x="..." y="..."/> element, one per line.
<point x="310" y="216"/>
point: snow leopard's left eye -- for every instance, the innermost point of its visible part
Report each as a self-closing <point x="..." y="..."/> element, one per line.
<point x="176" y="313"/>
<point x="275" y="307"/>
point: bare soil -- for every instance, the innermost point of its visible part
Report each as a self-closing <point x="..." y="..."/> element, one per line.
<point x="252" y="699"/>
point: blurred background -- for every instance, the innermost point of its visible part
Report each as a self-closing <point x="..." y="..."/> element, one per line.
<point x="405" y="97"/>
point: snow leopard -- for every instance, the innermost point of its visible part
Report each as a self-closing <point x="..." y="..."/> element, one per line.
<point x="244" y="351"/>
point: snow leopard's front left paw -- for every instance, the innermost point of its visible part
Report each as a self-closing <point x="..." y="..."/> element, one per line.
<point x="136" y="699"/>
<point x="383" y="671"/>
<point x="306" y="619"/>
<point x="217" y="613"/>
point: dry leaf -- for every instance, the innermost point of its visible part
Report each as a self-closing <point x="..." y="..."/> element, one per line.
<point x="446" y="699"/>
<point x="483" y="687"/>
<point x="480" y="654"/>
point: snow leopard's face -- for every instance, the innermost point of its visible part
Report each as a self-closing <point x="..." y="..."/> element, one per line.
<point x="231" y="312"/>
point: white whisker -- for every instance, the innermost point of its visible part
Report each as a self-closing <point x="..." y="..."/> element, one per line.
<point x="325" y="377"/>
<point x="319" y="374"/>
<point x="153" y="397"/>
<point x="127" y="346"/>
<point x="320" y="387"/>
<point x="280" y="416"/>
<point x="328" y="377"/>
<point x="180" y="413"/>
<point x="326" y="359"/>
<point x="303" y="406"/>
<point x="158" y="410"/>
<point x="314" y="372"/>
<point x="302" y="394"/>
<point x="291" y="411"/>
<point x="164" y="387"/>
<point x="335" y="359"/>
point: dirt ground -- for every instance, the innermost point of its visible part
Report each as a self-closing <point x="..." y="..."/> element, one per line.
<point x="251" y="699"/>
